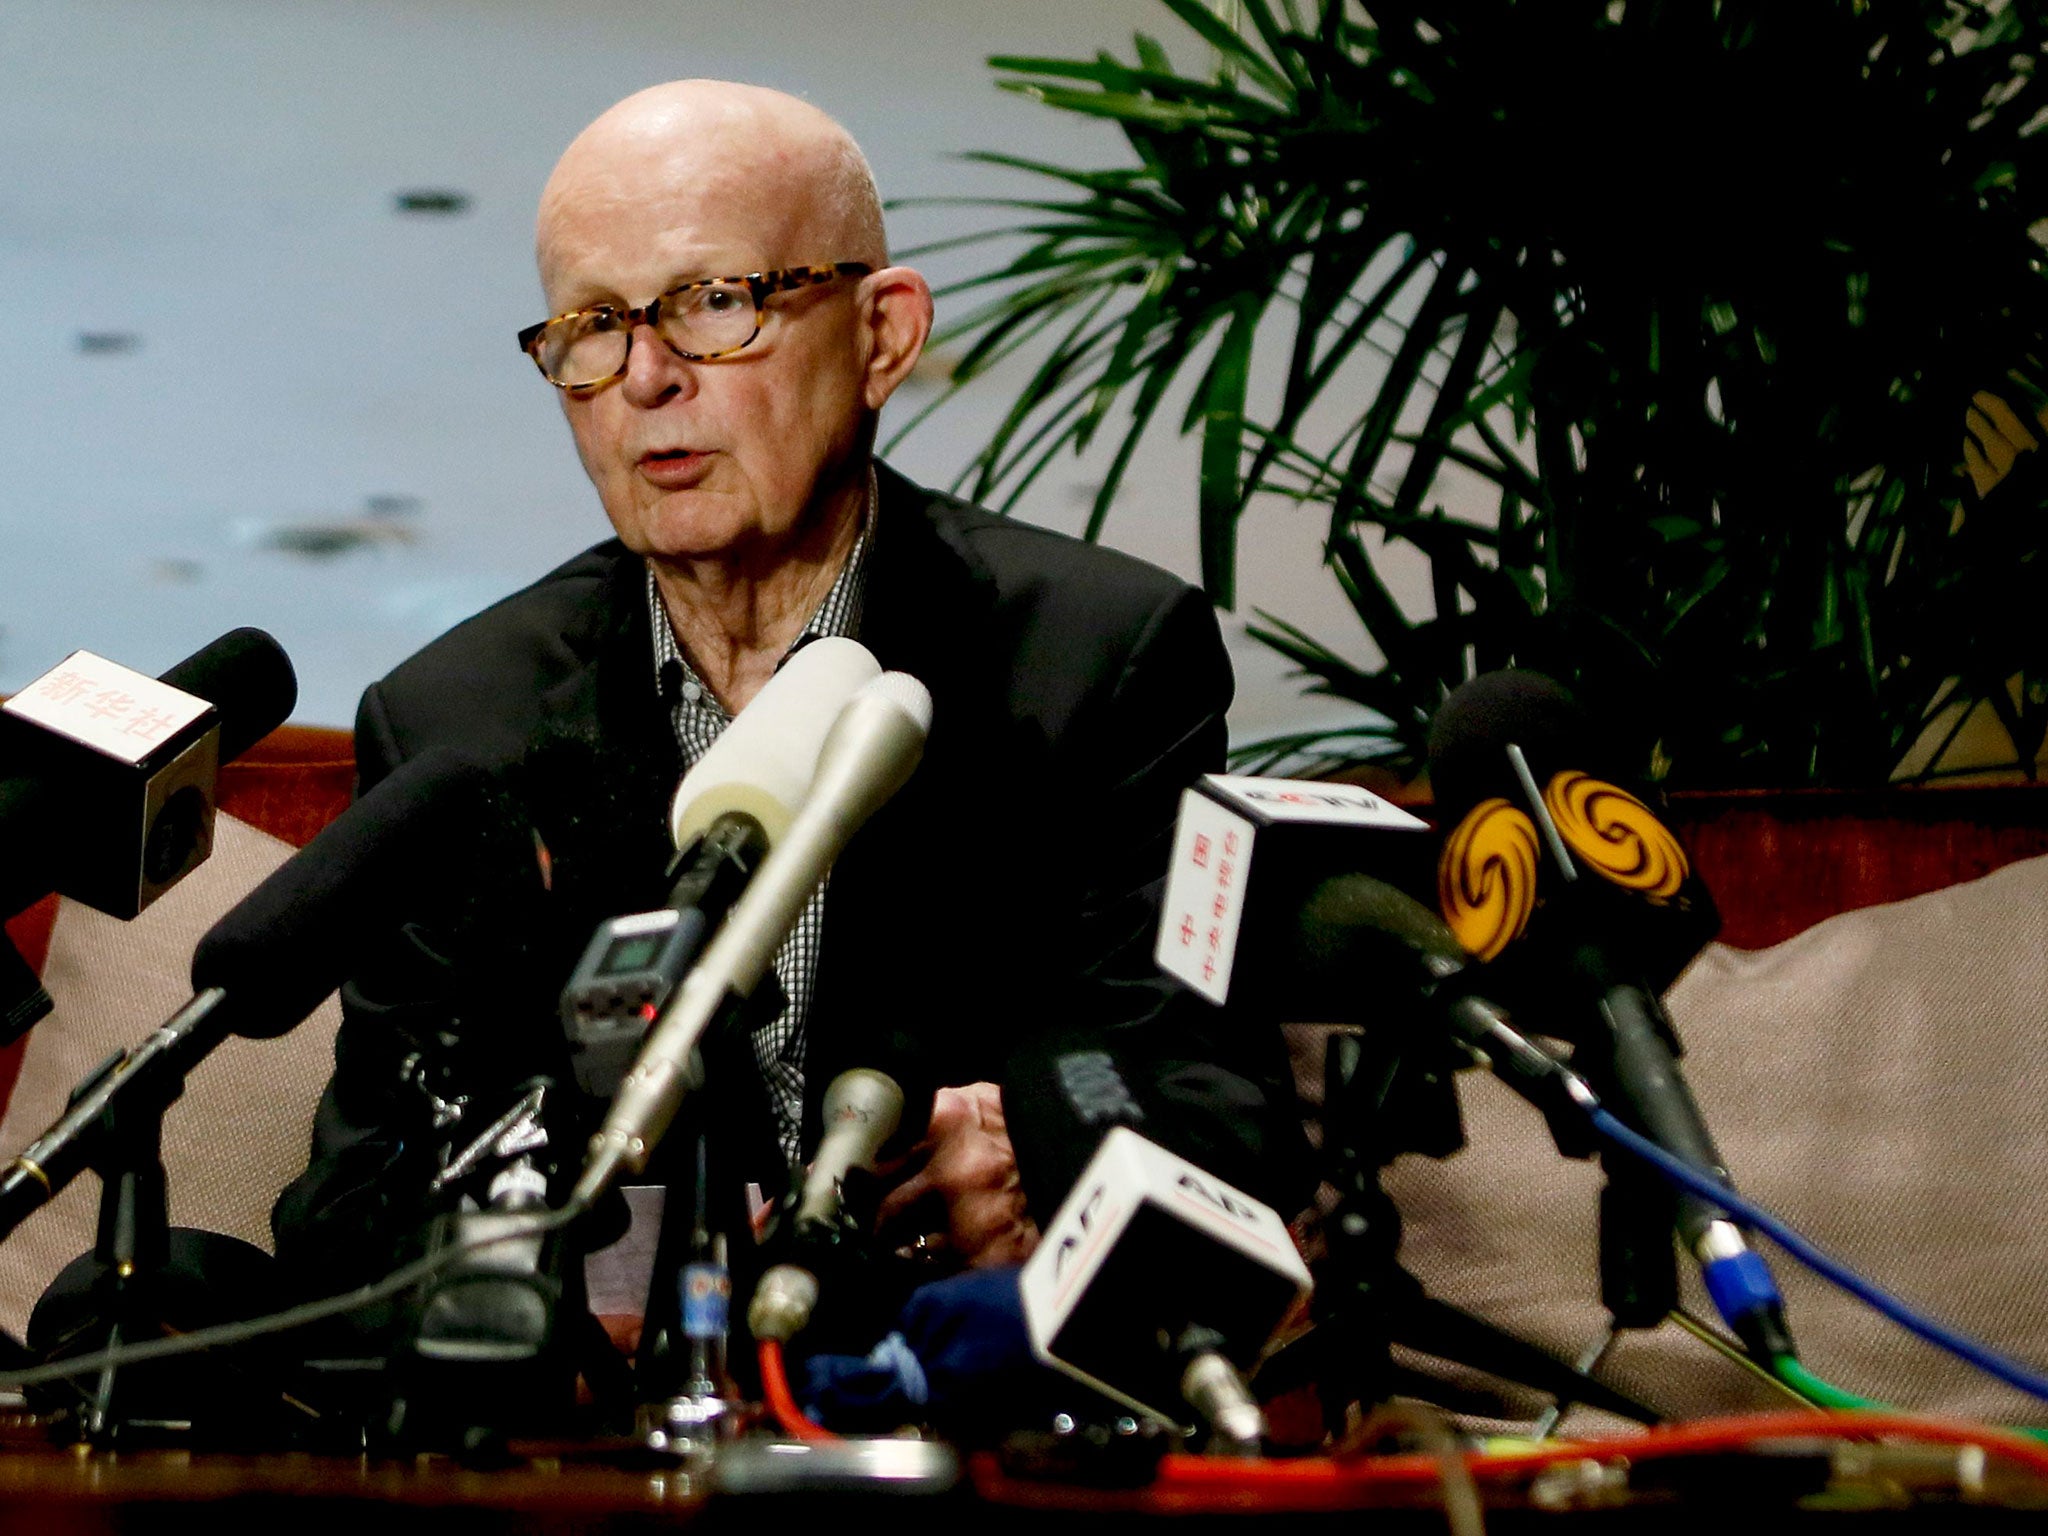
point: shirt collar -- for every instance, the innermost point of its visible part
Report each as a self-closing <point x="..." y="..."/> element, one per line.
<point x="677" y="682"/>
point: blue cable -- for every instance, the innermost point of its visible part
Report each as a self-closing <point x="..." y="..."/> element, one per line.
<point x="1982" y="1356"/>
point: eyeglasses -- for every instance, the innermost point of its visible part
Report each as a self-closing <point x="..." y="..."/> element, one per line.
<point x="713" y="317"/>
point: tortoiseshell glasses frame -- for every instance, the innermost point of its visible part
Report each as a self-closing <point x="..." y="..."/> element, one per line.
<point x="700" y="320"/>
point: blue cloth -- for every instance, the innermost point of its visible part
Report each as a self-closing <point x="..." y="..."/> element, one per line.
<point x="959" y="1357"/>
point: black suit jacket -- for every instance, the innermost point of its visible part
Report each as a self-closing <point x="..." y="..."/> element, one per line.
<point x="999" y="908"/>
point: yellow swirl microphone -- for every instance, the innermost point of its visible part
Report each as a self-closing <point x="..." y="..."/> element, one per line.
<point x="1486" y="877"/>
<point x="1616" y="835"/>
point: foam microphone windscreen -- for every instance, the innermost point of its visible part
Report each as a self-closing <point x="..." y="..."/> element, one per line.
<point x="762" y="764"/>
<point x="247" y="677"/>
<point x="414" y="848"/>
<point x="1626" y="885"/>
<point x="1471" y="730"/>
<point x="1354" y="926"/>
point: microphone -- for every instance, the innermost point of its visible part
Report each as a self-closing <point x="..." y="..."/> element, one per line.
<point x="1360" y="926"/>
<point x="438" y="837"/>
<point x="1611" y="911"/>
<point x="1124" y="1294"/>
<point x="872" y="1110"/>
<point x="871" y="749"/>
<point x="863" y="1112"/>
<point x="287" y="944"/>
<point x="1509" y="760"/>
<point x="1355" y="927"/>
<point x="633" y="963"/>
<point x="1245" y="852"/>
<point x="486" y="1340"/>
<point x="762" y="764"/>
<point x="108" y="794"/>
<point x="1156" y="1283"/>
<point x="726" y="813"/>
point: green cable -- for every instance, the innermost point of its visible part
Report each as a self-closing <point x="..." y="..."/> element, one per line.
<point x="1824" y="1394"/>
<point x="1820" y="1393"/>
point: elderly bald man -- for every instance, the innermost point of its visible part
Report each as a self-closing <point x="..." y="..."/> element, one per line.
<point x="724" y="327"/>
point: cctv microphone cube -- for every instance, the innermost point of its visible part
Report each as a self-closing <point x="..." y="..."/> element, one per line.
<point x="1247" y="855"/>
<point x="121" y="769"/>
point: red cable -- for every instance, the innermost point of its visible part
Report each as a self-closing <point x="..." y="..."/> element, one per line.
<point x="781" y="1402"/>
<point x="1319" y="1482"/>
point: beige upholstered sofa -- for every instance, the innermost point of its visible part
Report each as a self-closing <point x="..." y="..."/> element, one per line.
<point x="1866" y="1056"/>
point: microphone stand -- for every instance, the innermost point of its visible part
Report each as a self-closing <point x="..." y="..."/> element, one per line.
<point x="113" y="1126"/>
<point x="1638" y="1207"/>
<point x="133" y="1241"/>
<point x="126" y="1301"/>
<point x="1638" y="1261"/>
<point x="1368" y="1302"/>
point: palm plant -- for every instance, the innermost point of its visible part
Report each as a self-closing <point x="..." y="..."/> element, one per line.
<point x="1701" y="289"/>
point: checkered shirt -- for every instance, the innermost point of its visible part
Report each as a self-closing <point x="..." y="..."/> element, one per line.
<point x="698" y="718"/>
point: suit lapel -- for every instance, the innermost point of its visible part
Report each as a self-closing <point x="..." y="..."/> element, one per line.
<point x="928" y="611"/>
<point x="603" y="762"/>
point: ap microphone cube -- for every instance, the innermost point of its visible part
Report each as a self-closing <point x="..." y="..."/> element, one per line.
<point x="130" y="765"/>
<point x="1147" y="1248"/>
<point x="1249" y="852"/>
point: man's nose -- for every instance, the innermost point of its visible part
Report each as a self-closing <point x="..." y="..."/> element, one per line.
<point x="654" y="370"/>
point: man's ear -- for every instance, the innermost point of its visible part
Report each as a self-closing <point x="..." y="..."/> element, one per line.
<point x="898" y="311"/>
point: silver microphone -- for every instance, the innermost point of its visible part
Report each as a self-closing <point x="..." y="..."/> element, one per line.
<point x="863" y="1108"/>
<point x="867" y="756"/>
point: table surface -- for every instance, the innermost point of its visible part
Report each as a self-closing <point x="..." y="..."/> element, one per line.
<point x="604" y="1488"/>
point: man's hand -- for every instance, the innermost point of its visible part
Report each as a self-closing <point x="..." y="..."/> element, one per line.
<point x="962" y="1199"/>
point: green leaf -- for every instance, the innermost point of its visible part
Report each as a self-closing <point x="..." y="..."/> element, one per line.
<point x="1510" y="386"/>
<point x="1427" y="456"/>
<point x="1103" y="70"/>
<point x="1404" y="371"/>
<point x="1149" y="395"/>
<point x="1634" y="531"/>
<point x="1279" y="39"/>
<point x="1999" y="173"/>
<point x="1123" y="106"/>
<point x="1222" y="453"/>
<point x="1315" y="754"/>
<point x="1228" y="44"/>
<point x="1138" y="327"/>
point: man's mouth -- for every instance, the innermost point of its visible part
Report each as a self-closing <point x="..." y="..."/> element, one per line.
<point x="673" y="469"/>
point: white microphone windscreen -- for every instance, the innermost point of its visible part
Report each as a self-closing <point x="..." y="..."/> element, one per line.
<point x="763" y="763"/>
<point x="907" y="694"/>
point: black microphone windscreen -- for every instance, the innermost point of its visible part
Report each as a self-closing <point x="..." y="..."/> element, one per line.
<point x="1346" y="907"/>
<point x="1061" y="1097"/>
<point x="1635" y="891"/>
<point x="1470" y="734"/>
<point x="246" y="676"/>
<point x="1358" y="950"/>
<point x="437" y="827"/>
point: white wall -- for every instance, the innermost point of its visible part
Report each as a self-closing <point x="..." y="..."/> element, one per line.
<point x="216" y="177"/>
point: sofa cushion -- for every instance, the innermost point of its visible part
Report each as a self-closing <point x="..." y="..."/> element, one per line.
<point x="1877" y="1082"/>
<point x="242" y="1129"/>
<point x="290" y="785"/>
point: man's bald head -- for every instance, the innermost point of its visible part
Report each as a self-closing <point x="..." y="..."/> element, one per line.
<point x="715" y="142"/>
<point x="751" y="461"/>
